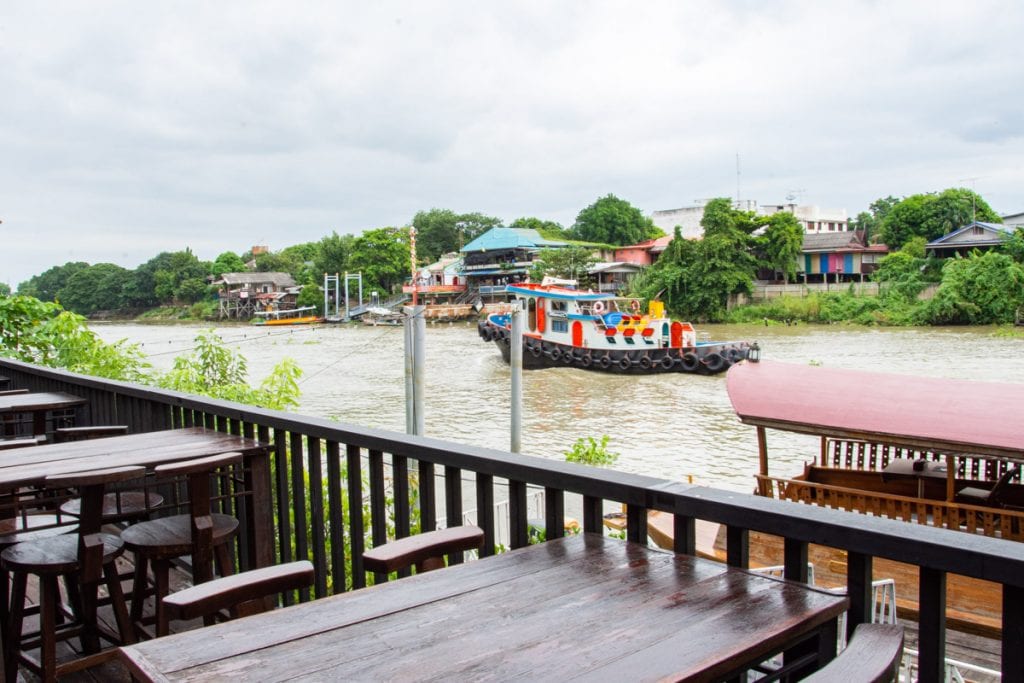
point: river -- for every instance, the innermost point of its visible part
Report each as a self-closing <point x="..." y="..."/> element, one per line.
<point x="675" y="426"/>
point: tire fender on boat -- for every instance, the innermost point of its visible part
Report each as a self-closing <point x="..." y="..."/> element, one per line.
<point x="735" y="355"/>
<point x="645" y="362"/>
<point x="625" y="363"/>
<point x="567" y="357"/>
<point x="689" y="361"/>
<point x="555" y="354"/>
<point x="535" y="350"/>
<point x="605" y="361"/>
<point x="485" y="333"/>
<point x="714" y="362"/>
<point x="666" y="363"/>
<point x="586" y="361"/>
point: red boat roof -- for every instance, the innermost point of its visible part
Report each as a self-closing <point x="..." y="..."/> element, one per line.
<point x="951" y="416"/>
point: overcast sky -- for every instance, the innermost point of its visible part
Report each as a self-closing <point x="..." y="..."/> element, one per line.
<point x="129" y="128"/>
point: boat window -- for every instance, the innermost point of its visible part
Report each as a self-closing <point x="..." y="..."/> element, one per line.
<point x="559" y="325"/>
<point x="531" y="310"/>
<point x="559" y="306"/>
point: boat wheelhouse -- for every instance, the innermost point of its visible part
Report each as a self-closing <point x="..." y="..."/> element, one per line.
<point x="597" y="330"/>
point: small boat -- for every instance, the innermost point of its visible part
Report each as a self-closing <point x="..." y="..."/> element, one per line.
<point x="565" y="326"/>
<point x="304" y="315"/>
<point x="377" y="315"/>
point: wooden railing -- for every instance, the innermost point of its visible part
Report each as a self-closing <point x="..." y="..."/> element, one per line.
<point x="974" y="519"/>
<point x="320" y="465"/>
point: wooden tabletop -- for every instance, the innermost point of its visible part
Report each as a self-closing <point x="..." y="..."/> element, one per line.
<point x="25" y="466"/>
<point x="42" y="400"/>
<point x="579" y="607"/>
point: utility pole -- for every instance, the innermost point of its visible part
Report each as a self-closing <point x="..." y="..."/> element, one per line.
<point x="974" y="194"/>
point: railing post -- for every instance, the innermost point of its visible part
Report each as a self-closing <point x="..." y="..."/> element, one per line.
<point x="1013" y="634"/>
<point x="737" y="547"/>
<point x="932" y="635"/>
<point x="684" y="529"/>
<point x="859" y="574"/>
<point x="795" y="560"/>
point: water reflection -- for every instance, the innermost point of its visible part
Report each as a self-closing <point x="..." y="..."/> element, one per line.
<point x="670" y="426"/>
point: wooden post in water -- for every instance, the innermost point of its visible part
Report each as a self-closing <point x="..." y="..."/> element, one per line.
<point x="516" y="363"/>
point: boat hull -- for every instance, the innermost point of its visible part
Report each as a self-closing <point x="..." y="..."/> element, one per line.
<point x="706" y="358"/>
<point x="306" y="320"/>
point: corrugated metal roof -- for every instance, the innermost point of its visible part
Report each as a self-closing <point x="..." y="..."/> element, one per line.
<point x="831" y="241"/>
<point x="279" y="280"/>
<point x="510" y="238"/>
<point x="995" y="230"/>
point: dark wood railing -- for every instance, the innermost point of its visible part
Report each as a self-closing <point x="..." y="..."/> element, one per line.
<point x="320" y="465"/>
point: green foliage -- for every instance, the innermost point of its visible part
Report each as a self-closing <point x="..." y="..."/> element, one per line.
<point x="311" y="295"/>
<point x="96" y="288"/>
<point x="382" y="255"/>
<point x="547" y="229"/>
<point x="870" y="222"/>
<point x="43" y="333"/>
<point x="5" y="289"/>
<point x="47" y="285"/>
<point x="279" y="262"/>
<point x="980" y="289"/>
<point x="440" y="231"/>
<point x="332" y="255"/>
<point x="569" y="262"/>
<point x="589" y="451"/>
<point x="782" y="243"/>
<point x="611" y="220"/>
<point x="933" y="215"/>
<point x="228" y="262"/>
<point x="1014" y="245"/>
<point x="214" y="370"/>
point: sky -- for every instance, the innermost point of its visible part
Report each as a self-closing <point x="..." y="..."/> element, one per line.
<point x="128" y="129"/>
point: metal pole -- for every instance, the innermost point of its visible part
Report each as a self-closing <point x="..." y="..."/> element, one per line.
<point x="419" y="346"/>
<point x="410" y="405"/>
<point x="516" y="363"/>
<point x="346" y="296"/>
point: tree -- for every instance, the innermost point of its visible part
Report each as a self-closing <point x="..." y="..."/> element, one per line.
<point x="933" y="215"/>
<point x="97" y="288"/>
<point x="228" y="262"/>
<point x="978" y="290"/>
<point x="546" y="229"/>
<point x="440" y="231"/>
<point x="5" y="289"/>
<point x="870" y="222"/>
<point x="783" y="243"/>
<point x="614" y="221"/>
<point x="1014" y="245"/>
<point x="382" y="256"/>
<point x="278" y="262"/>
<point x="569" y="262"/>
<point x="46" y="285"/>
<point x="332" y="254"/>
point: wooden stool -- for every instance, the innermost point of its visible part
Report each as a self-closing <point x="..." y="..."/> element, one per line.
<point x="425" y="551"/>
<point x="84" y="560"/>
<point x="242" y="595"/>
<point x="199" y="533"/>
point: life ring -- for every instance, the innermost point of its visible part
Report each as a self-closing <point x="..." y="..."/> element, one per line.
<point x="598" y="307"/>
<point x="667" y="363"/>
<point x="625" y="363"/>
<point x="689" y="361"/>
<point x="586" y="361"/>
<point x="713" y="362"/>
<point x="645" y="362"/>
<point x="605" y="361"/>
<point x="634" y="305"/>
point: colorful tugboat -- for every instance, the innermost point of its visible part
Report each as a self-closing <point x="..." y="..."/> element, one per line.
<point x="599" y="331"/>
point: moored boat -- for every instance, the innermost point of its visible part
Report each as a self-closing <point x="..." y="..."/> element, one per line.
<point x="305" y="315"/>
<point x="599" y="331"/>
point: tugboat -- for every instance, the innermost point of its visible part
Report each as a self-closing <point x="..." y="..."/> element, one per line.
<point x="599" y="331"/>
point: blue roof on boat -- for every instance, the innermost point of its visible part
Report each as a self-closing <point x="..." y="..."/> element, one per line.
<point x="510" y="238"/>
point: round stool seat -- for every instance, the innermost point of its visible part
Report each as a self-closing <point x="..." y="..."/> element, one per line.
<point x="171" y="537"/>
<point x="57" y="555"/>
<point x="33" y="528"/>
<point x="119" y="506"/>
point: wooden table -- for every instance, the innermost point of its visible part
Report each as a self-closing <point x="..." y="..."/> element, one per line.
<point x="39" y="404"/>
<point x="579" y="607"/>
<point x="30" y="466"/>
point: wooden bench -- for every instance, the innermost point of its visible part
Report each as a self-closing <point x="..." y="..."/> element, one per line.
<point x="872" y="656"/>
<point x="241" y="594"/>
<point x="426" y="551"/>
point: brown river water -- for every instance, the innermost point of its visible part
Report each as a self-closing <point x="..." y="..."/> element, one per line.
<point x="675" y="426"/>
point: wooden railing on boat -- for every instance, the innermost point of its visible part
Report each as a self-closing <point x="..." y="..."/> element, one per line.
<point x="988" y="521"/>
<point x="320" y="465"/>
<point x="874" y="456"/>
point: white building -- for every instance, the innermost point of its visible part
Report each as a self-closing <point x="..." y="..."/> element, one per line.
<point x="813" y="219"/>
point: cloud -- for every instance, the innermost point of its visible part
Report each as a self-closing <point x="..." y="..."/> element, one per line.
<point x="134" y="129"/>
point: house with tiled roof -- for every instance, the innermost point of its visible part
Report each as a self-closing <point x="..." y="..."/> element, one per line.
<point x="502" y="256"/>
<point x="977" y="235"/>
<point x="838" y="257"/>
